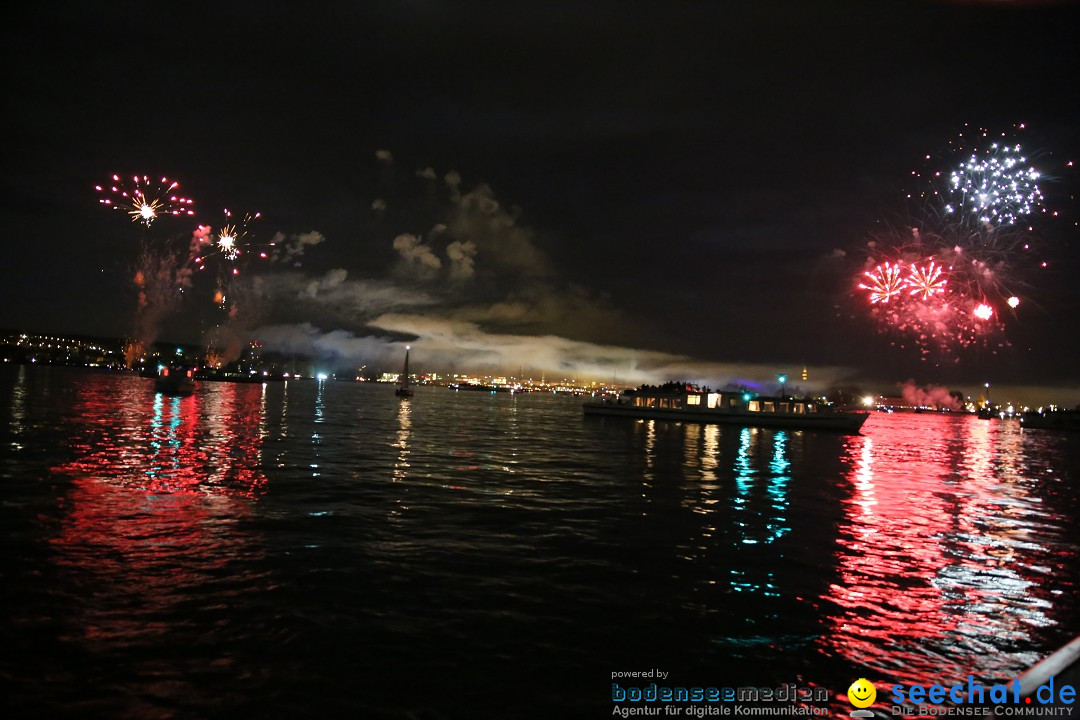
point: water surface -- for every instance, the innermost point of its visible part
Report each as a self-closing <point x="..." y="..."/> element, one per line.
<point x="311" y="549"/>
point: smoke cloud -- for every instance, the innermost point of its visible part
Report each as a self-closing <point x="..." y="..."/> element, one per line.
<point x="448" y="345"/>
<point x="160" y="278"/>
<point x="418" y="258"/>
<point x="288" y="249"/>
<point x="930" y="396"/>
<point x="461" y="256"/>
<point x="476" y="292"/>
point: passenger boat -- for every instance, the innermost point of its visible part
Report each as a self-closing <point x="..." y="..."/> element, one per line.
<point x="404" y="389"/>
<point x="677" y="401"/>
<point x="478" y="388"/>
<point x="1051" y="420"/>
<point x="175" y="380"/>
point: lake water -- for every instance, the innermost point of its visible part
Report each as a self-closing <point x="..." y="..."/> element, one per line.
<point x="310" y="549"/>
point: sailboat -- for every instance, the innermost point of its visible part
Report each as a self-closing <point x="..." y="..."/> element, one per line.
<point x="404" y="390"/>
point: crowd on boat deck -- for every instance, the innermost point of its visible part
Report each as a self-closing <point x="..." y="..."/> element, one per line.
<point x="672" y="387"/>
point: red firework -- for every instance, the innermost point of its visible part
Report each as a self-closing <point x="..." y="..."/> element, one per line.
<point x="925" y="282"/>
<point x="885" y="283"/>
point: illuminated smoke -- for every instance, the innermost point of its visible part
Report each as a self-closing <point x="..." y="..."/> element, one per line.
<point x="930" y="397"/>
<point x="160" y="278"/>
<point x="447" y="344"/>
<point x="461" y="259"/>
<point x="416" y="255"/>
<point x="288" y="249"/>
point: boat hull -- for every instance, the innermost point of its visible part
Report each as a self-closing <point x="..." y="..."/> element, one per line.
<point x="1064" y="420"/>
<point x="842" y="422"/>
<point x="174" y="386"/>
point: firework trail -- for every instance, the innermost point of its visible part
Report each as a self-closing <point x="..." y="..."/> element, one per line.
<point x="160" y="277"/>
<point x="228" y="249"/>
<point x="226" y="340"/>
<point x="143" y="198"/>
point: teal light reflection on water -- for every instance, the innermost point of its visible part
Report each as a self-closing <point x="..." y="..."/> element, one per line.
<point x="760" y="504"/>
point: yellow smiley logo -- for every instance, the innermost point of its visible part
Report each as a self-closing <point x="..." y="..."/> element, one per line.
<point x="861" y="693"/>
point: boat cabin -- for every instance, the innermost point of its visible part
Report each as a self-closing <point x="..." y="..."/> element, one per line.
<point x="690" y="397"/>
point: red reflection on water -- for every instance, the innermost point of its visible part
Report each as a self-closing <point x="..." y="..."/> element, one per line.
<point x="888" y="558"/>
<point x="158" y="487"/>
<point x="206" y="443"/>
<point x="939" y="551"/>
<point x="135" y="555"/>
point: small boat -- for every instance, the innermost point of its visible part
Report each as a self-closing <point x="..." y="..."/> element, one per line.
<point x="1051" y="420"/>
<point x="678" y="401"/>
<point x="175" y="380"/>
<point x="404" y="389"/>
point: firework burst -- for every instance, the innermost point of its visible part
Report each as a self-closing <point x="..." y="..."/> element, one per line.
<point x="230" y="243"/>
<point x="928" y="289"/>
<point x="144" y="199"/>
<point x="996" y="186"/>
<point x="951" y="279"/>
<point x="925" y="281"/>
<point x="226" y="248"/>
<point x="885" y="281"/>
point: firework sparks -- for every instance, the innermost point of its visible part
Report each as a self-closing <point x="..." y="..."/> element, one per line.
<point x="226" y="242"/>
<point x="925" y="282"/>
<point x="885" y="283"/>
<point x="932" y="286"/>
<point x="144" y="199"/>
<point x="977" y="212"/>
<point x="996" y="185"/>
<point x="230" y="242"/>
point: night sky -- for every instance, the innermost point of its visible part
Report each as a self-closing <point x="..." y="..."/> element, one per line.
<point x="629" y="190"/>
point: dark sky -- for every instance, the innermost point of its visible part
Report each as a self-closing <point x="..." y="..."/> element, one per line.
<point x="672" y="176"/>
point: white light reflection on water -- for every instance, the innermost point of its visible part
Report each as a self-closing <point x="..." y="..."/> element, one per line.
<point x="18" y="407"/>
<point x="400" y="472"/>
